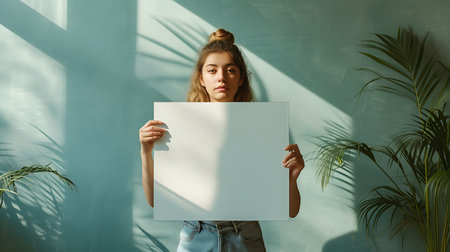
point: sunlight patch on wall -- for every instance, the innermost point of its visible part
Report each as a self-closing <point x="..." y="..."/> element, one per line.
<point x="54" y="10"/>
<point x="33" y="90"/>
<point x="308" y="111"/>
<point x="32" y="122"/>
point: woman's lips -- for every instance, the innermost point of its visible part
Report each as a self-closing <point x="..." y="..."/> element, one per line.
<point x="221" y="89"/>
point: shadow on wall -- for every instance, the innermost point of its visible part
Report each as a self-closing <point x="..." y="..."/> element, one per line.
<point x="347" y="242"/>
<point x="157" y="245"/>
<point x="32" y="218"/>
<point x="105" y="106"/>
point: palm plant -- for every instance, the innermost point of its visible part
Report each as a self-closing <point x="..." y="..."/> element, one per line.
<point x="417" y="161"/>
<point x="8" y="179"/>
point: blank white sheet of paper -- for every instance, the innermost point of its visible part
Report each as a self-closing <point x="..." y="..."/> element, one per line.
<point x="221" y="161"/>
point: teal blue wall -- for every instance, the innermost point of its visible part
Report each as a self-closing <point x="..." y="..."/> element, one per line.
<point x="78" y="79"/>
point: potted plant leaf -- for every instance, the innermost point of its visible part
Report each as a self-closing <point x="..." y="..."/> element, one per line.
<point x="416" y="162"/>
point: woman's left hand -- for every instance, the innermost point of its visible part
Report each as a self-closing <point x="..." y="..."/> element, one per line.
<point x="294" y="161"/>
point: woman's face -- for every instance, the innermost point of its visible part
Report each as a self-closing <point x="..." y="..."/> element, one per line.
<point x="221" y="77"/>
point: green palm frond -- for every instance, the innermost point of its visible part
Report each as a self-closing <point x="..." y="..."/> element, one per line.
<point x="387" y="200"/>
<point x="437" y="193"/>
<point x="428" y="140"/>
<point x="8" y="179"/>
<point x="334" y="153"/>
<point x="335" y="149"/>
<point x="414" y="73"/>
<point x="438" y="187"/>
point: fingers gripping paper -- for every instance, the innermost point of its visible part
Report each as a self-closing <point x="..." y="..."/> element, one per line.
<point x="221" y="161"/>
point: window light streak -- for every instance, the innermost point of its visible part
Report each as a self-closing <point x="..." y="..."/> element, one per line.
<point x="53" y="10"/>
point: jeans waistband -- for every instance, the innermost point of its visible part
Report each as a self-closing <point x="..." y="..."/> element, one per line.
<point x="219" y="226"/>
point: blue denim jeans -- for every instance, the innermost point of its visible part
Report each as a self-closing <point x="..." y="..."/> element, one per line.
<point x="224" y="236"/>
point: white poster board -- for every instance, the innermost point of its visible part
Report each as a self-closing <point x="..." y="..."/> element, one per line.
<point x="221" y="161"/>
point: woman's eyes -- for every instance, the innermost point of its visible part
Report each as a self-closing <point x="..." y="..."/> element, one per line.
<point x="229" y="70"/>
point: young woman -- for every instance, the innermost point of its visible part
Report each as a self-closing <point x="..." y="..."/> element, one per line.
<point x="220" y="76"/>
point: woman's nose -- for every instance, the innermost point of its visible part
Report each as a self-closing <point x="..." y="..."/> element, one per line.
<point x="220" y="76"/>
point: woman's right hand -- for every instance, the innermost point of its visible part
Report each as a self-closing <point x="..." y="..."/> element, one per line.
<point x="149" y="133"/>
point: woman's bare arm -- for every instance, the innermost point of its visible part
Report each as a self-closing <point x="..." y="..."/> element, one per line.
<point x="147" y="174"/>
<point x="294" y="198"/>
<point x="148" y="134"/>
<point x="294" y="161"/>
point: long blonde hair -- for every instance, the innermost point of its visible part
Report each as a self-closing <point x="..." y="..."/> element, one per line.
<point x="220" y="41"/>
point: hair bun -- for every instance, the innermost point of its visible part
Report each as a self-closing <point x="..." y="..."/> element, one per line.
<point x="223" y="35"/>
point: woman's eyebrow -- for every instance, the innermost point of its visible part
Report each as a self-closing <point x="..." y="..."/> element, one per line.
<point x="215" y="65"/>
